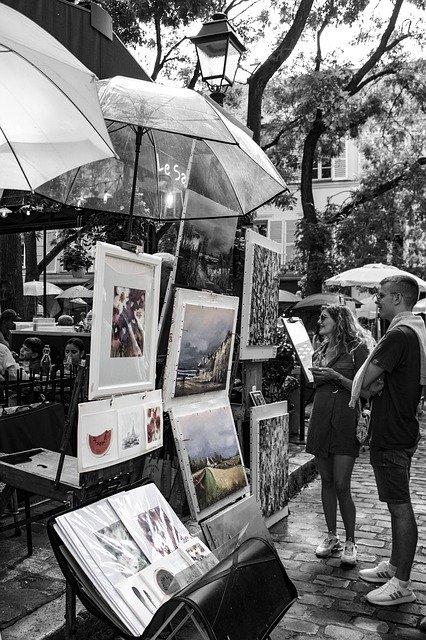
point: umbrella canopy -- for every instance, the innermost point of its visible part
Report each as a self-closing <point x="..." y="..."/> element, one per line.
<point x="36" y="288"/>
<point x="50" y="117"/>
<point x="287" y="296"/>
<point x="370" y="276"/>
<point x="179" y="157"/>
<point x="79" y="301"/>
<point x="319" y="299"/>
<point x="75" y="292"/>
<point x="420" y="306"/>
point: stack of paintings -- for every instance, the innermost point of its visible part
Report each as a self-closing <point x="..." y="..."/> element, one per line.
<point x="134" y="551"/>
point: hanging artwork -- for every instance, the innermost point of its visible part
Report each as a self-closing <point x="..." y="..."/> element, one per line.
<point x="125" y="319"/>
<point x="201" y="344"/>
<point x="210" y="456"/>
<point x="269" y="459"/>
<point x="260" y="297"/>
<point x="110" y="431"/>
<point x="205" y="254"/>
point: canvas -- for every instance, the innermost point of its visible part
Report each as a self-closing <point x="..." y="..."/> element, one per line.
<point x="205" y="254"/>
<point x="260" y="297"/>
<point x="110" y="431"/>
<point x="210" y="456"/>
<point x="299" y="338"/>
<point x="269" y="459"/>
<point x="125" y="321"/>
<point x="199" y="357"/>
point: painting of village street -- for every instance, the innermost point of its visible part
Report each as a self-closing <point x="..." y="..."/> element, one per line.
<point x="205" y="349"/>
<point x="211" y="444"/>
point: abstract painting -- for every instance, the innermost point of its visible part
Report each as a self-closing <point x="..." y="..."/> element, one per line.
<point x="201" y="344"/>
<point x="126" y="294"/>
<point x="260" y="297"/>
<point x="211" y="459"/>
<point x="269" y="459"/>
<point x="128" y="322"/>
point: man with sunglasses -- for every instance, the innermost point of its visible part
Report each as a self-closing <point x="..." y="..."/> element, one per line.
<point x="394" y="374"/>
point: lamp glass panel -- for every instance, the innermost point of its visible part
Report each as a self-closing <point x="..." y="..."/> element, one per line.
<point x="231" y="64"/>
<point x="212" y="58"/>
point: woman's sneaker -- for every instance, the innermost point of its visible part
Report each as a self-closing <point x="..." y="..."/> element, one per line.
<point x="349" y="553"/>
<point x="329" y="545"/>
<point x="382" y="573"/>
<point x="391" y="593"/>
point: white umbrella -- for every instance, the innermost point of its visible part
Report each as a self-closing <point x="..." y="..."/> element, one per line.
<point x="78" y="291"/>
<point x="50" y="116"/>
<point x="35" y="288"/>
<point x="420" y="306"/>
<point x="78" y="301"/>
<point x="370" y="276"/>
<point x="287" y="296"/>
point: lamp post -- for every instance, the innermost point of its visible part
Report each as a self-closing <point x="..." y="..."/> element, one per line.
<point x="219" y="51"/>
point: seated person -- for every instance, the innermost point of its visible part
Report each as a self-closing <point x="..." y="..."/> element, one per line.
<point x="74" y="353"/>
<point x="30" y="354"/>
<point x="65" y="321"/>
<point x="7" y="363"/>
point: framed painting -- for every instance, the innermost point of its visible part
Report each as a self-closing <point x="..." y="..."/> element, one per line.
<point x="199" y="358"/>
<point x="210" y="456"/>
<point x="259" y="313"/>
<point x="125" y="322"/>
<point x="257" y="398"/>
<point x="110" y="431"/>
<point x="269" y="458"/>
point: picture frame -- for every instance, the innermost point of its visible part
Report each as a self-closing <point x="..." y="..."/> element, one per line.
<point x="110" y="431"/>
<point x="125" y="322"/>
<point x="257" y="398"/>
<point x="259" y="311"/>
<point x="201" y="344"/>
<point x="269" y="459"/>
<point x="208" y="448"/>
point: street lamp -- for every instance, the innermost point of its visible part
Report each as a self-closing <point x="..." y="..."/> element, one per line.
<point x="219" y="51"/>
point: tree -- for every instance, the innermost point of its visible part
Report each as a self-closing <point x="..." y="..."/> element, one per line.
<point x="324" y="105"/>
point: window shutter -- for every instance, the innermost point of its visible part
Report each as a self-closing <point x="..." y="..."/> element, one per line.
<point x="276" y="231"/>
<point x="339" y="167"/>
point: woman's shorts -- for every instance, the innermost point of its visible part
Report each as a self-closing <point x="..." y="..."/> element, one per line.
<point x="392" y="471"/>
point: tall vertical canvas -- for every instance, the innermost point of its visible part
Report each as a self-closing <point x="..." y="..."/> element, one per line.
<point x="210" y="456"/>
<point x="125" y="321"/>
<point x="260" y="297"/>
<point x="269" y="457"/>
<point x="201" y="344"/>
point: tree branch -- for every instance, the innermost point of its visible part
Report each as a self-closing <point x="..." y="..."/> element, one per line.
<point x="290" y="125"/>
<point x="353" y="85"/>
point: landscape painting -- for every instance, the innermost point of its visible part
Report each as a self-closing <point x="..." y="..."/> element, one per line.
<point x="205" y="254"/>
<point x="205" y="349"/>
<point x="209" y="441"/>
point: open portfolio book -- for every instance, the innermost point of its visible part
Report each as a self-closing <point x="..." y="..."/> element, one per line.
<point x="135" y="552"/>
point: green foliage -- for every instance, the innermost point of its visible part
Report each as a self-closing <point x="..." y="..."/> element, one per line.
<point x="75" y="257"/>
<point x="276" y="380"/>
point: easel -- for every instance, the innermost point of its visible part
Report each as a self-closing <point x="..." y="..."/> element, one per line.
<point x="55" y="476"/>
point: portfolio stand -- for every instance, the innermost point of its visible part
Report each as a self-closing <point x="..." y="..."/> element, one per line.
<point x="244" y="596"/>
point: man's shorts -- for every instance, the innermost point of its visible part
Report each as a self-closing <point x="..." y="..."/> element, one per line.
<point x="392" y="471"/>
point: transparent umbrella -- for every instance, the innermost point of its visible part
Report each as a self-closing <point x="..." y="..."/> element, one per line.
<point x="180" y="156"/>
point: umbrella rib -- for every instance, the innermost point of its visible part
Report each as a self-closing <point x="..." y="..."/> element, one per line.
<point x="16" y="158"/>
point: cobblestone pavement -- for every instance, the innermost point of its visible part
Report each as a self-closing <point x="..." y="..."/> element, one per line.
<point x="332" y="600"/>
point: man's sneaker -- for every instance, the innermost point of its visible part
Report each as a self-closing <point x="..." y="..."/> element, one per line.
<point x="329" y="545"/>
<point x="349" y="553"/>
<point x="391" y="593"/>
<point x="382" y="573"/>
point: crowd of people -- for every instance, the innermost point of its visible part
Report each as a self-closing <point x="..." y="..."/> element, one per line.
<point x="350" y="369"/>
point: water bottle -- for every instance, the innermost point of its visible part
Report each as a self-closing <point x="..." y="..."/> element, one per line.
<point x="46" y="361"/>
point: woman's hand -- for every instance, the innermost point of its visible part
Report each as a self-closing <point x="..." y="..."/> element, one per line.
<point x="325" y="374"/>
